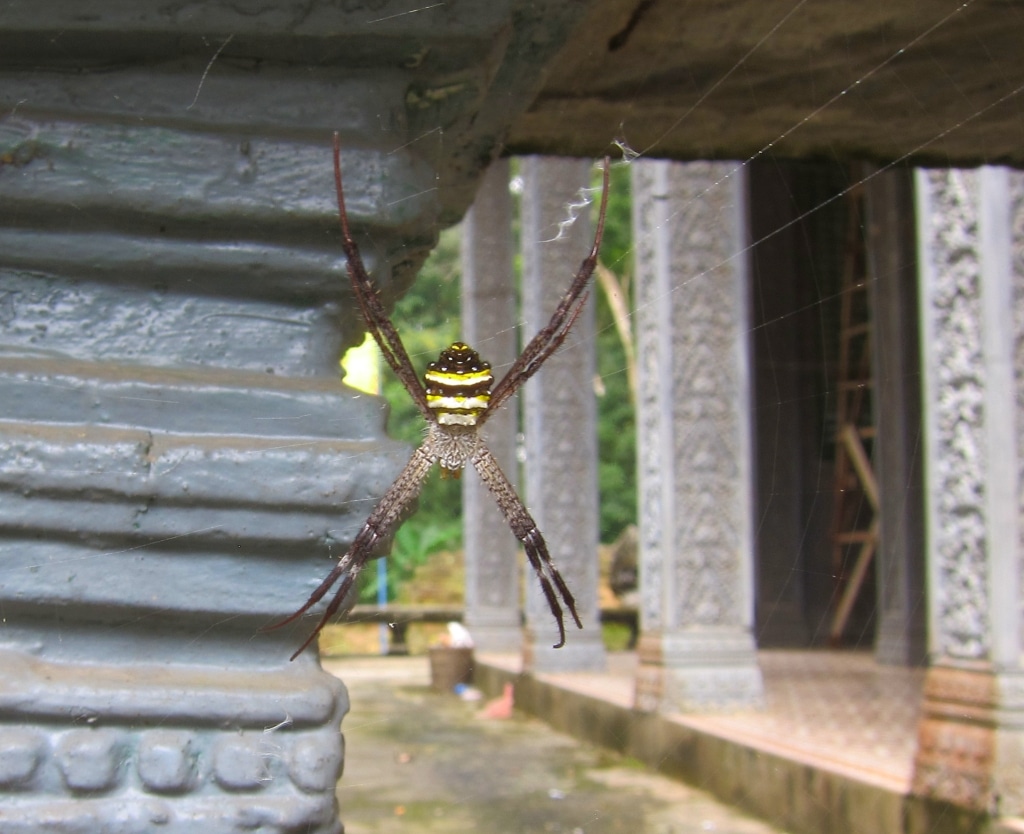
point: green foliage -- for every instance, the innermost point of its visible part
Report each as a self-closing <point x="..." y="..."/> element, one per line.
<point x="415" y="542"/>
<point x="616" y="424"/>
<point x="616" y="636"/>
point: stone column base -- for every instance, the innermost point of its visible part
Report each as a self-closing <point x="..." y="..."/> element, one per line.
<point x="495" y="629"/>
<point x="583" y="650"/>
<point x="970" y="747"/>
<point x="706" y="671"/>
<point x="119" y="749"/>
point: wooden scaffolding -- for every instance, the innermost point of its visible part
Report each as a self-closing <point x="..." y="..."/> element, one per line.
<point x="855" y="509"/>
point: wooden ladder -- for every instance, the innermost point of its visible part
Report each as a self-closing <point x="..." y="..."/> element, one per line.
<point x="855" y="508"/>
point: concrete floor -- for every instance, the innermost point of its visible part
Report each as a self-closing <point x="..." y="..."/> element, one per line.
<point x="417" y="761"/>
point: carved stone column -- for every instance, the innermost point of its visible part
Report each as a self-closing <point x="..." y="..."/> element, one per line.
<point x="696" y="647"/>
<point x="561" y="415"/>
<point x="971" y="242"/>
<point x="488" y="313"/>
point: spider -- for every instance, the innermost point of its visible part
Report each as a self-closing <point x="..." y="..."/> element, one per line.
<point x="455" y="399"/>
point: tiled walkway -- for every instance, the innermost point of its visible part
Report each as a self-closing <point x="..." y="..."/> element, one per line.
<point x="838" y="710"/>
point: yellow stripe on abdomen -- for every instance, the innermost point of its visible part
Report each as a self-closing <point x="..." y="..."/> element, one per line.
<point x="458" y="385"/>
<point x="459" y="380"/>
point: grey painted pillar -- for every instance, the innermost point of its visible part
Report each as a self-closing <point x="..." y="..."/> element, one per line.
<point x="488" y="313"/>
<point x="561" y="414"/>
<point x="179" y="464"/>
<point x="696" y="549"/>
<point x="899" y="444"/>
<point x="971" y="245"/>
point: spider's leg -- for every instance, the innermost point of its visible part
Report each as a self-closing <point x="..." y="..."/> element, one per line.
<point x="381" y="523"/>
<point x="550" y="338"/>
<point x="525" y="529"/>
<point x="377" y="320"/>
<point x="348" y="580"/>
<point x="539" y="558"/>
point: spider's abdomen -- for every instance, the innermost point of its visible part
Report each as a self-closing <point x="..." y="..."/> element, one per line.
<point x="458" y="385"/>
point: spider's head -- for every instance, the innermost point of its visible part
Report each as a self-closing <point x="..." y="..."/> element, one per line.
<point x="458" y="385"/>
